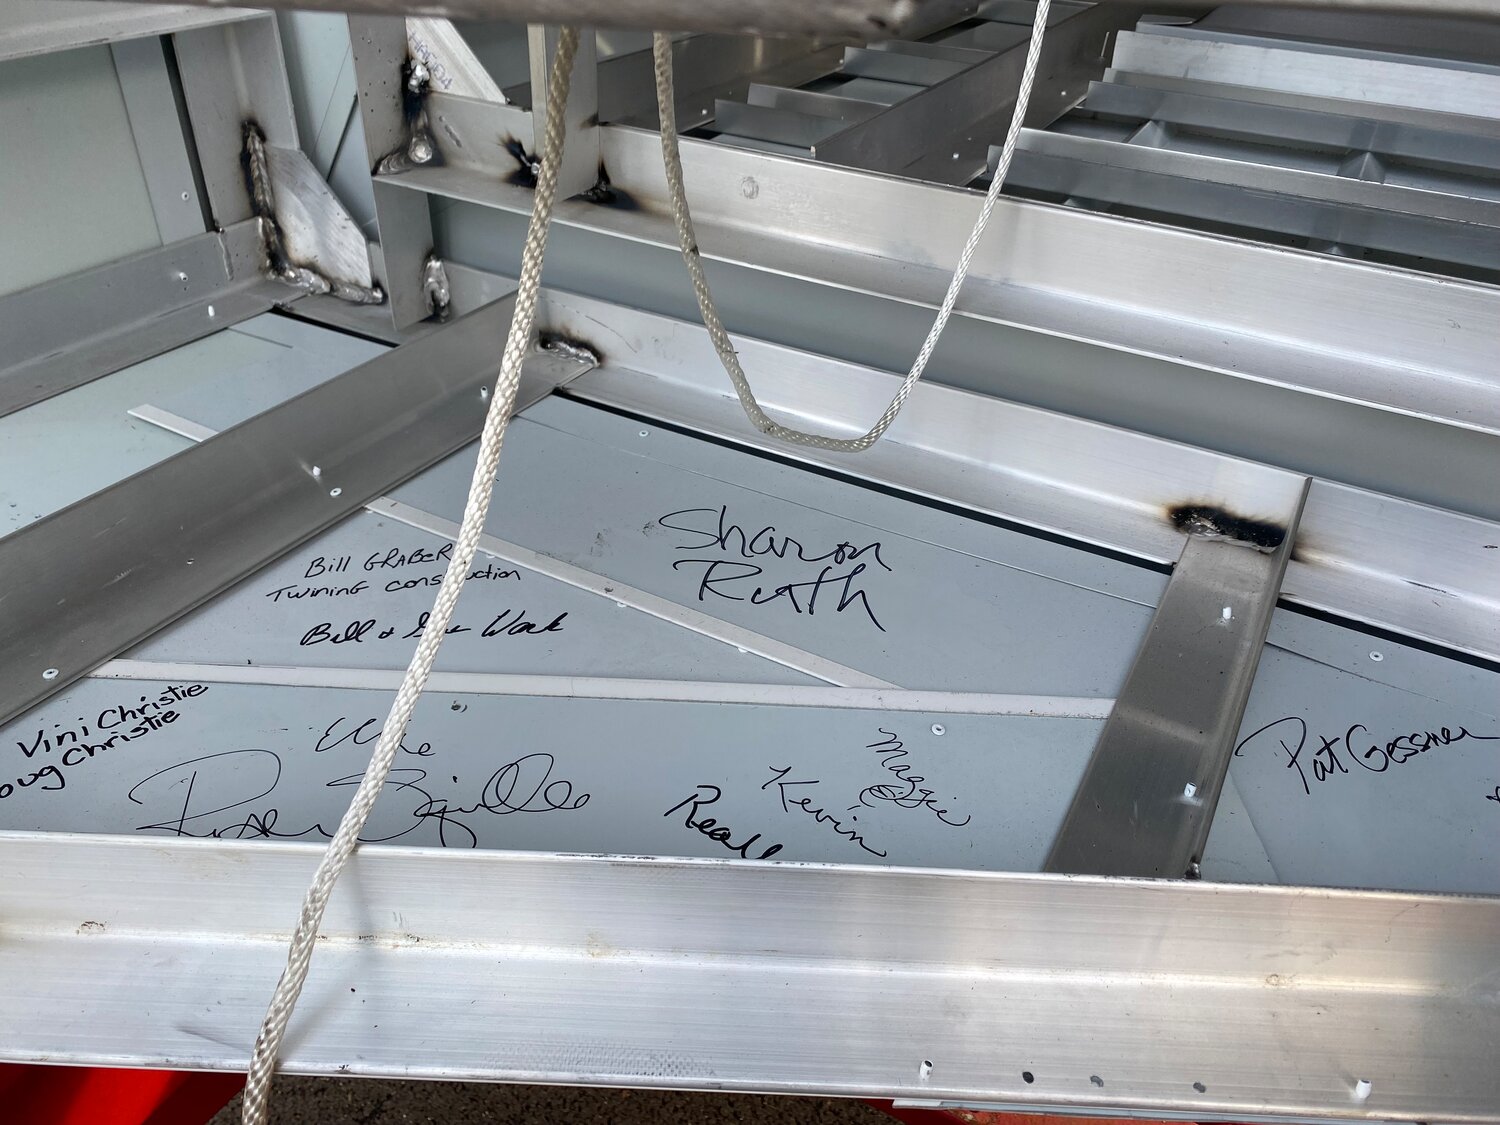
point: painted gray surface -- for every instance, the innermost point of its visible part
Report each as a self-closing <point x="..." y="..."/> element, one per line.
<point x="918" y="611"/>
<point x="74" y="193"/>
<point x="65" y="448"/>
<point x="1362" y="805"/>
<point x="555" y="774"/>
<point x="298" y="611"/>
<point x="966" y="605"/>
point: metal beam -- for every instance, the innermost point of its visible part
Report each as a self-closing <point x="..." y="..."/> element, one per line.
<point x="1336" y="209"/>
<point x="1101" y="996"/>
<point x="1309" y="68"/>
<point x="79" y="328"/>
<point x="37" y="27"/>
<point x="1147" y="798"/>
<point x="580" y="157"/>
<point x="858" y="18"/>
<point x="1231" y="117"/>
<point x="931" y="120"/>
<point x="1392" y="339"/>
<point x="86" y="583"/>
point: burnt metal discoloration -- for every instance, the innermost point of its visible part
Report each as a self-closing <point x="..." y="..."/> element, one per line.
<point x="1212" y="521"/>
<point x="419" y="149"/>
<point x="278" y="263"/>
<point x="528" y="167"/>
<point x="560" y="344"/>
<point x="605" y="194"/>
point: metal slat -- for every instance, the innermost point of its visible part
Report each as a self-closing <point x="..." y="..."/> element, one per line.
<point x="1147" y="799"/>
<point x="888" y="66"/>
<point x="809" y="102"/>
<point x="943" y="119"/>
<point x="87" y="582"/>
<point x="1412" y="81"/>
<point x="1231" y="117"/>
<point x="783" y="126"/>
<point x="1394" y="219"/>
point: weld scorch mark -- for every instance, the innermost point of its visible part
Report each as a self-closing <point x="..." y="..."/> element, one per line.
<point x="1214" y="522"/>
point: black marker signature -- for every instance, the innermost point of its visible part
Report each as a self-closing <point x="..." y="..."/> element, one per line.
<point x="766" y="541"/>
<point x="908" y="794"/>
<point x="821" y="815"/>
<point x="733" y="580"/>
<point x="710" y="827"/>
<point x="1335" y="753"/>
<point x="522" y="786"/>
<point x="202" y="789"/>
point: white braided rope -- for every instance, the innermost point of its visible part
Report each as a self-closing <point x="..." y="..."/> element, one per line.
<point x="688" y="241"/>
<point x="299" y="954"/>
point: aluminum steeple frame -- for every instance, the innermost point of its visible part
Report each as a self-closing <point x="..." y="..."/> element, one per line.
<point x="1209" y="1001"/>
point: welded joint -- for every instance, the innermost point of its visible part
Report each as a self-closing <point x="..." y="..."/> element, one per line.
<point x="435" y="287"/>
<point x="278" y="264"/>
<point x="419" y="148"/>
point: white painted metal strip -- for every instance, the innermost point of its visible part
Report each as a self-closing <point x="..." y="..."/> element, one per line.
<point x="596" y="687"/>
<point x="697" y="621"/>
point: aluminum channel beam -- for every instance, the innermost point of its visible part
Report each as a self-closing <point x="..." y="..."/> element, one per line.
<point x="71" y="331"/>
<point x="85" y="583"/>
<point x="952" y="105"/>
<point x="37" y="27"/>
<point x="1426" y="572"/>
<point x="1147" y="798"/>
<point x="1336" y="209"/>
<point x="1226" y="116"/>
<point x="1386" y="338"/>
<point x="1209" y="1001"/>
<point x="1416" y="82"/>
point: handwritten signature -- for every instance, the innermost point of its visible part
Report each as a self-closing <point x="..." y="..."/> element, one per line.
<point x="79" y="743"/>
<point x="908" y="794"/>
<point x="731" y="579"/>
<point x="702" y="796"/>
<point x="507" y="623"/>
<point x="1336" y="752"/>
<point x="199" y="791"/>
<point x="821" y="815"/>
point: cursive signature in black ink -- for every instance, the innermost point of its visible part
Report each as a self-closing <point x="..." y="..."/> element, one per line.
<point x="908" y="794"/>
<point x="709" y="826"/>
<point x="226" y="782"/>
<point x="1337" y="752"/>
<point x="821" y="815"/>
<point x="732" y="579"/>
<point x="362" y="735"/>
<point x="523" y="786"/>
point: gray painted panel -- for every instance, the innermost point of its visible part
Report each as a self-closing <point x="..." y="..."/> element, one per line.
<point x="907" y="608"/>
<point x="304" y="611"/>
<point x="590" y="775"/>
<point x="60" y="450"/>
<point x="74" y="193"/>
<point x="1355" y="783"/>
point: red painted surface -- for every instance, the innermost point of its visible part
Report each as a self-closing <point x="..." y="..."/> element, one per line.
<point x="985" y="1117"/>
<point x="75" y="1095"/>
